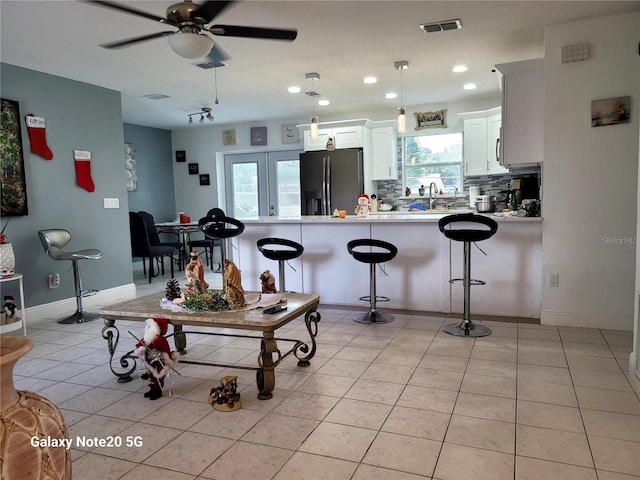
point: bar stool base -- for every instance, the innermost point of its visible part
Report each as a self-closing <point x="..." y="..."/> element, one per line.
<point x="373" y="316"/>
<point x="466" y="329"/>
<point x="80" y="317"/>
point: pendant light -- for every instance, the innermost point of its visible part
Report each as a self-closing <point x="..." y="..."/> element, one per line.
<point x="402" y="118"/>
<point x="314" y="126"/>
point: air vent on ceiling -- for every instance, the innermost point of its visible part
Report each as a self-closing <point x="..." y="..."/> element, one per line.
<point x="209" y="65"/>
<point x="155" y="96"/>
<point x="312" y="94"/>
<point x="442" y="26"/>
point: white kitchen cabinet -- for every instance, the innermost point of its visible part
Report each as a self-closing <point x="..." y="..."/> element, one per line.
<point x="481" y="142"/>
<point x="384" y="147"/>
<point x="522" y="116"/>
<point x="343" y="137"/>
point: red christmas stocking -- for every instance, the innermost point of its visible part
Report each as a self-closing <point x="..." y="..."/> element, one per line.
<point x="37" y="136"/>
<point x="83" y="169"/>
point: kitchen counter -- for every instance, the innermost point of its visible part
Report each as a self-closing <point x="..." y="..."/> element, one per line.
<point x="418" y="278"/>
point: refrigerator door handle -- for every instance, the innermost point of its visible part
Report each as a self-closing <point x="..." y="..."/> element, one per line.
<point x="323" y="204"/>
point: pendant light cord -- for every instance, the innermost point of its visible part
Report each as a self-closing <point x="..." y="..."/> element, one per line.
<point x="215" y="81"/>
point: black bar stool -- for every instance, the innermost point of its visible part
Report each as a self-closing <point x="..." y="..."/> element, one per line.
<point x="379" y="252"/>
<point x="467" y="235"/>
<point x="221" y="227"/>
<point x="285" y="250"/>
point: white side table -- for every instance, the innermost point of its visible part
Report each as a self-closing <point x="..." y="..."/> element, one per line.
<point x="10" y="327"/>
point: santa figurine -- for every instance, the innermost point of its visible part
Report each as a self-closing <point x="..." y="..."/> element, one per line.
<point x="157" y="355"/>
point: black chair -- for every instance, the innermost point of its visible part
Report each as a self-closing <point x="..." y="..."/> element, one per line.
<point x="141" y="246"/>
<point x="378" y="251"/>
<point x="209" y="243"/>
<point x="154" y="238"/>
<point x="52" y="241"/>
<point x="467" y="234"/>
<point x="284" y="250"/>
<point x="221" y="228"/>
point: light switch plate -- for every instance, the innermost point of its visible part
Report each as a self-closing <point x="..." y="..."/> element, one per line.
<point x="111" y="203"/>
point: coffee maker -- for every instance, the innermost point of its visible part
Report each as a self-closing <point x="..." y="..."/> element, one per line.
<point x="525" y="194"/>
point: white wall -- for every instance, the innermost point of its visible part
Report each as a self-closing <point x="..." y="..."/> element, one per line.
<point x="590" y="176"/>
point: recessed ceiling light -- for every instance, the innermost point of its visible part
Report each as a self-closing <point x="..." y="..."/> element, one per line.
<point x="369" y="80"/>
<point x="390" y="95"/>
<point x="323" y="103"/>
<point x="459" y="68"/>
<point x="469" y="86"/>
<point x="293" y="89"/>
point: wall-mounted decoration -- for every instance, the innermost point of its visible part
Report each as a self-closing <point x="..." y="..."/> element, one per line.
<point x="610" y="111"/>
<point x="14" y="187"/>
<point x="258" y="136"/>
<point x="436" y="119"/>
<point x="181" y="156"/>
<point x="204" y="179"/>
<point x="229" y="137"/>
<point x="130" y="167"/>
<point x="193" y="169"/>
<point x="290" y="134"/>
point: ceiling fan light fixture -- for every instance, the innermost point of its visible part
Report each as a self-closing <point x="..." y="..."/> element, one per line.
<point x="190" y="45"/>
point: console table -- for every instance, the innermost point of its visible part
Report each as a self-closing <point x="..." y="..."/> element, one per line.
<point x="148" y="306"/>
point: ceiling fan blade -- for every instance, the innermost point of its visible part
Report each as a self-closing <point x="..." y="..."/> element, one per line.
<point x="131" y="10"/>
<point x="210" y="10"/>
<point x="131" y="41"/>
<point x="254" y="32"/>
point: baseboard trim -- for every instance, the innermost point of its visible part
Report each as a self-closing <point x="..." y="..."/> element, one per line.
<point x="586" y="320"/>
<point x="67" y="306"/>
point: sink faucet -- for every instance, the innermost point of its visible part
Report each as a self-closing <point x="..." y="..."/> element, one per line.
<point x="433" y="190"/>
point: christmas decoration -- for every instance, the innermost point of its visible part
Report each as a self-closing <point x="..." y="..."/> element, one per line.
<point x="209" y="300"/>
<point x="82" y="160"/>
<point x="226" y="397"/>
<point x="173" y="289"/>
<point x="157" y="355"/>
<point x="268" y="282"/>
<point x="37" y="136"/>
<point x="195" y="274"/>
<point x="233" y="285"/>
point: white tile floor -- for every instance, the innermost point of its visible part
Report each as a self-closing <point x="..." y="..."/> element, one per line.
<point x="401" y="401"/>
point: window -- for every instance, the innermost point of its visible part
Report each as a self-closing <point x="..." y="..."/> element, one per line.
<point x="433" y="158"/>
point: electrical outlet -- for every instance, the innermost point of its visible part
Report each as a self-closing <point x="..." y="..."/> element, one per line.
<point x="54" y="280"/>
<point x="554" y="279"/>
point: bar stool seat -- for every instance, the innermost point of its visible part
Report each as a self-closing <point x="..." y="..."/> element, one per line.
<point x="221" y="228"/>
<point x="285" y="250"/>
<point x="379" y="252"/>
<point x="467" y="235"/>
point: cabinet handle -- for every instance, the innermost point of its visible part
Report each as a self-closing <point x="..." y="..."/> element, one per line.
<point x="498" y="150"/>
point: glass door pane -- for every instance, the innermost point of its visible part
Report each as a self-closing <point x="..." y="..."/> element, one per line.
<point x="284" y="184"/>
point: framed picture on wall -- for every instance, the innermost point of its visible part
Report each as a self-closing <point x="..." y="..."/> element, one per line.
<point x="290" y="134"/>
<point x="181" y="156"/>
<point x="14" y="187"/>
<point x="204" y="179"/>
<point x="258" y="136"/>
<point x="229" y="137"/>
<point x="193" y="169"/>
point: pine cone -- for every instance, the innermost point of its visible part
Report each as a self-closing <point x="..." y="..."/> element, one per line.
<point x="173" y="289"/>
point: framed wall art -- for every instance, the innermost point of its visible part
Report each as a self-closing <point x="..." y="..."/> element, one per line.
<point x="14" y="186"/>
<point x="193" y="169"/>
<point x="437" y="119"/>
<point x="229" y="137"/>
<point x="610" y="111"/>
<point x="204" y="179"/>
<point x="181" y="156"/>
<point x="258" y="136"/>
<point x="290" y="134"/>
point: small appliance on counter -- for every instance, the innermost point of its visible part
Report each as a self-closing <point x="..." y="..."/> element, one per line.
<point x="485" y="203"/>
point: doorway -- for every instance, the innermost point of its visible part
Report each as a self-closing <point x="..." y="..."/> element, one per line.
<point x="262" y="184"/>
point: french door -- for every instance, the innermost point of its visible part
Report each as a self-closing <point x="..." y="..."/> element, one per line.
<point x="262" y="184"/>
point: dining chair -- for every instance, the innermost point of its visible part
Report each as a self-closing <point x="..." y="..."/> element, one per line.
<point x="142" y="247"/>
<point x="209" y="243"/>
<point x="154" y="238"/>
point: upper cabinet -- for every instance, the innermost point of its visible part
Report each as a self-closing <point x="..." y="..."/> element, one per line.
<point x="522" y="120"/>
<point x="343" y="137"/>
<point x="384" y="153"/>
<point x="481" y="142"/>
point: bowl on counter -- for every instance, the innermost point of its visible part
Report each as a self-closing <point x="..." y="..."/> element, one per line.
<point x="384" y="207"/>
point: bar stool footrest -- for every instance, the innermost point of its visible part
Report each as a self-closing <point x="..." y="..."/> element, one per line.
<point x="473" y="281"/>
<point x="379" y="298"/>
<point x="89" y="293"/>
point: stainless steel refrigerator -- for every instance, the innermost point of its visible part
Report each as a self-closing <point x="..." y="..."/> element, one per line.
<point x="330" y="180"/>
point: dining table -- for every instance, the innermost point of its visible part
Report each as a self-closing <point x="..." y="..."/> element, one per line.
<point x="183" y="230"/>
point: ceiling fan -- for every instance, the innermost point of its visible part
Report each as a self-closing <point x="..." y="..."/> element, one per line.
<point x="192" y="22"/>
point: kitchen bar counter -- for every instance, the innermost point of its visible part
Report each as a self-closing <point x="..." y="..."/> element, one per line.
<point x="418" y="278"/>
